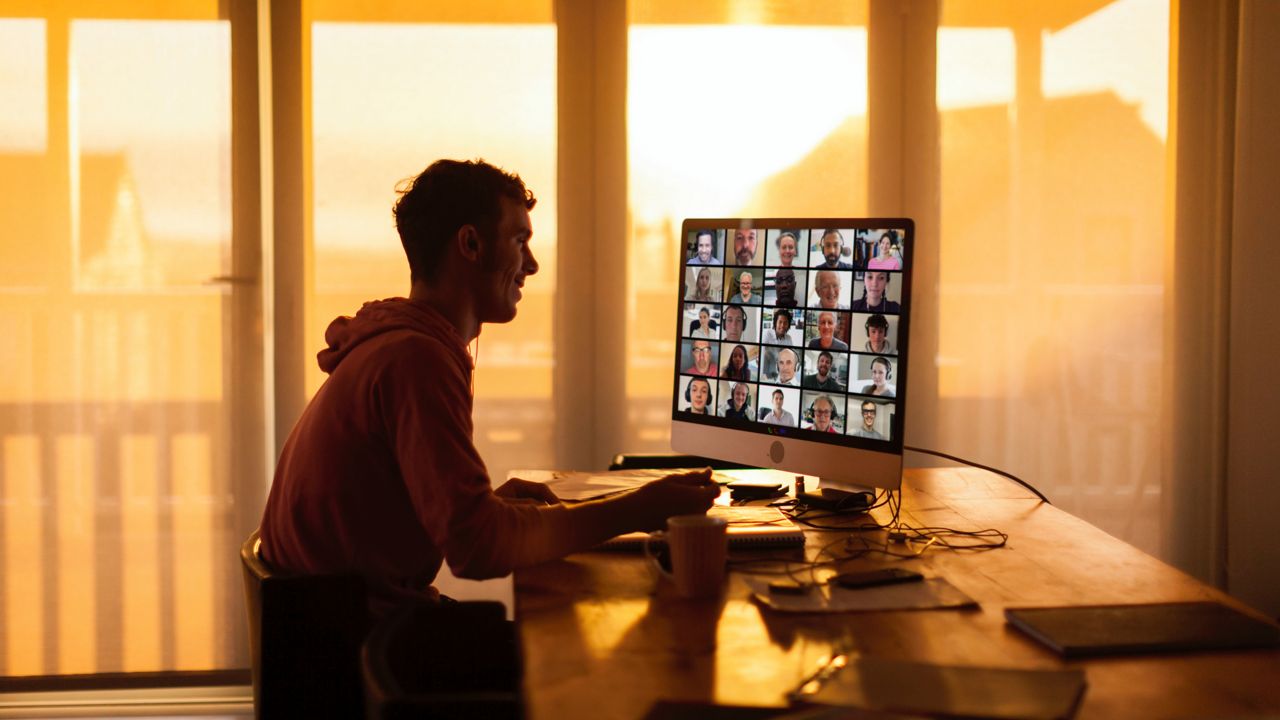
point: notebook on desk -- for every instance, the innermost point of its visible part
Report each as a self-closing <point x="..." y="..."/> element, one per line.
<point x="1128" y="629"/>
<point x="754" y="527"/>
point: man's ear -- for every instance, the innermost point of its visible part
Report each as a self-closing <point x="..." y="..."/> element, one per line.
<point x="467" y="240"/>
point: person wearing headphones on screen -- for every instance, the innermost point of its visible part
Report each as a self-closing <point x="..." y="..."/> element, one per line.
<point x="877" y="328"/>
<point x="874" y="284"/>
<point x="787" y="363"/>
<point x="698" y="394"/>
<point x="380" y="475"/>
<point x="881" y="373"/>
<point x="832" y="250"/>
<point x="824" y="414"/>
<point x="868" y="427"/>
<point x="739" y="405"/>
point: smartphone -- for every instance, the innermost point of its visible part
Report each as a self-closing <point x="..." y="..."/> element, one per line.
<point x="748" y="490"/>
<point x="888" y="576"/>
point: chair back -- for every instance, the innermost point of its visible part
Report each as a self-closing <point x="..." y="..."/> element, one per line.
<point x="305" y="633"/>
<point x="432" y="661"/>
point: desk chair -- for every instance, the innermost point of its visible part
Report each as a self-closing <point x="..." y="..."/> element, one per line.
<point x="432" y="661"/>
<point x="304" y="638"/>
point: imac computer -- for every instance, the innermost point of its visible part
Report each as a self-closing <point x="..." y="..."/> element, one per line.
<point x="792" y="345"/>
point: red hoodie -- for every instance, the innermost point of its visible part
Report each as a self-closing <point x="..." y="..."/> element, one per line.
<point x="380" y="474"/>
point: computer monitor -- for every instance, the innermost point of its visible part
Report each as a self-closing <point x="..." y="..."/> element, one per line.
<point x="792" y="340"/>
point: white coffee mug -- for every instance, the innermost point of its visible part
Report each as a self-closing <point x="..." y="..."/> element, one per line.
<point x="699" y="547"/>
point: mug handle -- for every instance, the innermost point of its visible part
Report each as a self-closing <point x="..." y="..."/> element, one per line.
<point x="653" y="559"/>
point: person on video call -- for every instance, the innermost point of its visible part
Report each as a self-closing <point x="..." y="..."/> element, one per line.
<point x="702" y="364"/>
<point x="745" y="294"/>
<point x="734" y="319"/>
<point x="868" y="427"/>
<point x="787" y="246"/>
<point x="881" y="373"/>
<point x="737" y="367"/>
<point x="877" y="328"/>
<point x="885" y="259"/>
<point x="698" y="393"/>
<point x="780" y="333"/>
<point x="784" y="286"/>
<point x="822" y="379"/>
<point x="702" y="287"/>
<point x="824" y="414"/>
<point x="380" y="475"/>
<point x="778" y="416"/>
<point x="832" y="249"/>
<point x="739" y="405"/>
<point x="875" y="283"/>
<point x="744" y="245"/>
<point x="826" y="285"/>
<point x="826" y="339"/>
<point x="788" y="361"/>
<point x="703" y="327"/>
<point x="705" y="240"/>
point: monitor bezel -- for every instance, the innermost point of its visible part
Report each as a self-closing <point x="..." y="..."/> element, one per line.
<point x="840" y="459"/>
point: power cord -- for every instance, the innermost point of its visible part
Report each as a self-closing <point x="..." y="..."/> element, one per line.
<point x="980" y="466"/>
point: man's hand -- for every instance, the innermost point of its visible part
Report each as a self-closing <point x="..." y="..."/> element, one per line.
<point x="688" y="493"/>
<point x="516" y="490"/>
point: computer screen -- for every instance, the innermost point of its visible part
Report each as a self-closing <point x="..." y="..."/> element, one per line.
<point x="792" y="340"/>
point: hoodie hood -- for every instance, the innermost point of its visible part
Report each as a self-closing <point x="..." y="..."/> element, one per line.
<point x="383" y="316"/>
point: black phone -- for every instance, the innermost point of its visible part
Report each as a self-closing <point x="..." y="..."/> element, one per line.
<point x="872" y="578"/>
<point x="749" y="490"/>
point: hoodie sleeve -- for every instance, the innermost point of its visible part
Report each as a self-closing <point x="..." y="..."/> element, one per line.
<point x="423" y="400"/>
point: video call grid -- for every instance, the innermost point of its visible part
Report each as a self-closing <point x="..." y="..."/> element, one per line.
<point x="746" y="320"/>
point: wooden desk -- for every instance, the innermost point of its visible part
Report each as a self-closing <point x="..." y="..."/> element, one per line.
<point x="604" y="639"/>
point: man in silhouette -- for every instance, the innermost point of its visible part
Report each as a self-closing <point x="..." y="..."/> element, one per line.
<point x="380" y="475"/>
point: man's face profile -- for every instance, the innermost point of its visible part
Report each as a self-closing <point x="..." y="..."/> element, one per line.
<point x="832" y="246"/>
<point x="777" y="401"/>
<point x="786" y="249"/>
<point x="744" y="245"/>
<point x="875" y="334"/>
<point x="826" y="327"/>
<point x="744" y="284"/>
<point x="785" y="284"/>
<point x="704" y="247"/>
<point x="739" y="395"/>
<point x="868" y="415"/>
<point x="505" y="261"/>
<point x="875" y="281"/>
<point x="828" y="288"/>
<point x="824" y="365"/>
<point x="735" y="320"/>
<point x="821" y="414"/>
<point x="698" y="391"/>
<point x="701" y="355"/>
<point x="786" y="366"/>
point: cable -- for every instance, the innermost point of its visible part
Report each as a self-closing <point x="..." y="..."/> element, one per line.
<point x="980" y="466"/>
